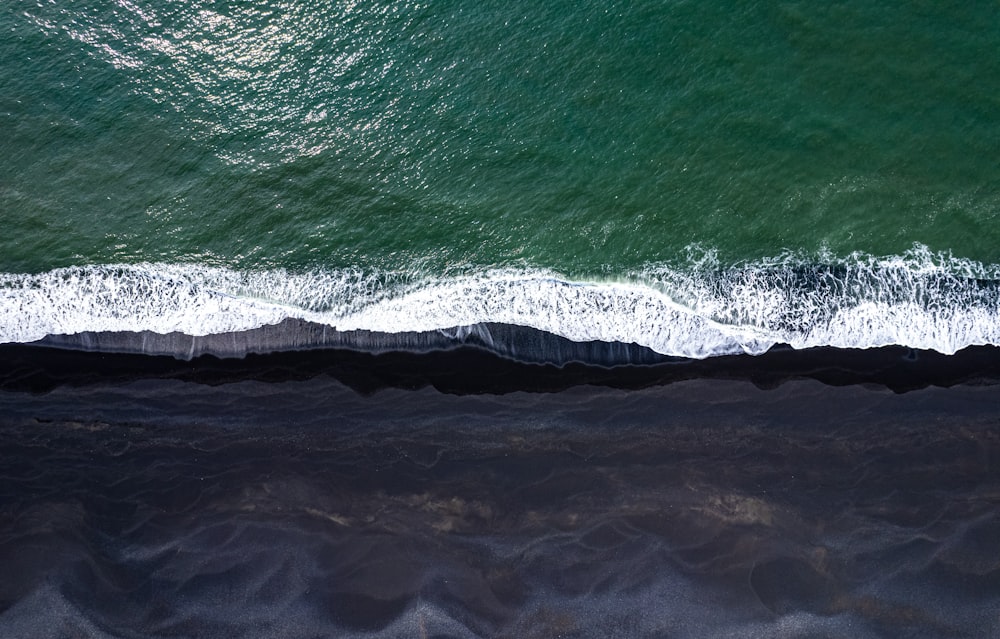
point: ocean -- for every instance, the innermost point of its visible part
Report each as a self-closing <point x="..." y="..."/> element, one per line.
<point x="331" y="257"/>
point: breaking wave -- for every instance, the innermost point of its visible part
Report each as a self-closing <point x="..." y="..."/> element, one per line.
<point x="699" y="309"/>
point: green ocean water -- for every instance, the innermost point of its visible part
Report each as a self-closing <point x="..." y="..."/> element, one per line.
<point x="582" y="136"/>
<point x="590" y="139"/>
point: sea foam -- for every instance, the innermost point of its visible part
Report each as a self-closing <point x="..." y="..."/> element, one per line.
<point x="698" y="310"/>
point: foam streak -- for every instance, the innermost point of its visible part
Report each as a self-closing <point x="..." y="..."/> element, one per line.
<point x="920" y="300"/>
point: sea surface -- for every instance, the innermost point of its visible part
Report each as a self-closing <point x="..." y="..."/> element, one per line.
<point x="478" y="319"/>
<point x="698" y="178"/>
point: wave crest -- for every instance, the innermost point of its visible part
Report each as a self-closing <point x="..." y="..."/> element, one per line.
<point x="919" y="300"/>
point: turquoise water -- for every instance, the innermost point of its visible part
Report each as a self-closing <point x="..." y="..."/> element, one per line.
<point x="342" y="154"/>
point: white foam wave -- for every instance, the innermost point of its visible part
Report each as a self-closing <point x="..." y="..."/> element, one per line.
<point x="919" y="300"/>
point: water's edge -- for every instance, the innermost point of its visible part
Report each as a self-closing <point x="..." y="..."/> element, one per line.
<point x="481" y="358"/>
<point x="519" y="343"/>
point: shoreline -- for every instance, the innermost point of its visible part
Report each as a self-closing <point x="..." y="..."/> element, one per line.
<point x="488" y="358"/>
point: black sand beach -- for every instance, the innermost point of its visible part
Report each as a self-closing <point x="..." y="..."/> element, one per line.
<point x="457" y="493"/>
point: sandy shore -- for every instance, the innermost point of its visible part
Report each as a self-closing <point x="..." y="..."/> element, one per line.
<point x="457" y="493"/>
